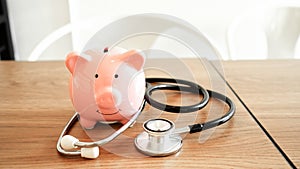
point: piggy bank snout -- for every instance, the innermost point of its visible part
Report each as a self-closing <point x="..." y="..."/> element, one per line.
<point x="108" y="98"/>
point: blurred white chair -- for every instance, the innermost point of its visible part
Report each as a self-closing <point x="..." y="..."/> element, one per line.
<point x="265" y="33"/>
<point x="74" y="28"/>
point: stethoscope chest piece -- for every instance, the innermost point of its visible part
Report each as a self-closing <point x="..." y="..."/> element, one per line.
<point x="158" y="139"/>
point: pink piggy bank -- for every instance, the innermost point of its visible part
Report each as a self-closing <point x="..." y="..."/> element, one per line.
<point x="106" y="86"/>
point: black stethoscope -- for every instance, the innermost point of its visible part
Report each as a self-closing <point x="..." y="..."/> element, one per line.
<point x="160" y="137"/>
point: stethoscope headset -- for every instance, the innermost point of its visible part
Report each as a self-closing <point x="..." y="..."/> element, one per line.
<point x="160" y="137"/>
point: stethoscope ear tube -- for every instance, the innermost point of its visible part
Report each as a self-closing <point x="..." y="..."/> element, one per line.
<point x="67" y="128"/>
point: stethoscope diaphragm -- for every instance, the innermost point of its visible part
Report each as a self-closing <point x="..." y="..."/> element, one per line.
<point x="158" y="139"/>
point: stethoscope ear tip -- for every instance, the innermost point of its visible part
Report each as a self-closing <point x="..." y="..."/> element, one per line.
<point x="68" y="142"/>
<point x="90" y="152"/>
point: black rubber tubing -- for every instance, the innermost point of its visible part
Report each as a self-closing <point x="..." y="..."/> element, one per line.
<point x="187" y="86"/>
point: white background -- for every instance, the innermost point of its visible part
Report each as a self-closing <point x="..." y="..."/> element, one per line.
<point x="35" y="23"/>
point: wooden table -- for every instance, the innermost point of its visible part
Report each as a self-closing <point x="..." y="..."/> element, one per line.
<point x="271" y="91"/>
<point x="35" y="107"/>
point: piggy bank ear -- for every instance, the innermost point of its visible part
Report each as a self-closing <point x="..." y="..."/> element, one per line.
<point x="133" y="58"/>
<point x="71" y="61"/>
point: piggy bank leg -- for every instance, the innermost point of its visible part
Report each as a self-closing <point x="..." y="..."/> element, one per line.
<point x="108" y="122"/>
<point x="87" y="124"/>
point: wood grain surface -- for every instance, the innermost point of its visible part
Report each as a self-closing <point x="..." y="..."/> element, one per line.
<point x="271" y="90"/>
<point x="35" y="107"/>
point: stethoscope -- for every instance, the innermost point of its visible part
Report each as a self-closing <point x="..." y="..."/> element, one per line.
<point x="160" y="137"/>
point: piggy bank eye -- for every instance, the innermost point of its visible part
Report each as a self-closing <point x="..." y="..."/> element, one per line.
<point x="96" y="75"/>
<point x="105" y="50"/>
<point x="116" y="75"/>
